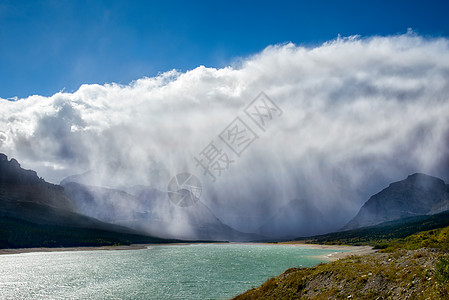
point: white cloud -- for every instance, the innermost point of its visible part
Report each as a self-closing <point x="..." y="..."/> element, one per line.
<point x="358" y="114"/>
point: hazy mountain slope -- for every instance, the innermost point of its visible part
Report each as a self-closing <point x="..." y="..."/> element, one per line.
<point x="149" y="210"/>
<point x="105" y="204"/>
<point x="34" y="213"/>
<point x="47" y="215"/>
<point x="418" y="194"/>
<point x="297" y="217"/>
<point x="195" y="221"/>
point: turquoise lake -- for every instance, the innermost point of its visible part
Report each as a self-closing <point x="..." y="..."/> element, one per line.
<point x="195" y="271"/>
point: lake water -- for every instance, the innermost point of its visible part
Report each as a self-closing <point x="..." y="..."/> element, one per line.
<point x="196" y="271"/>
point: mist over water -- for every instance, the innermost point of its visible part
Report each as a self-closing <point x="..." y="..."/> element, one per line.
<point x="358" y="114"/>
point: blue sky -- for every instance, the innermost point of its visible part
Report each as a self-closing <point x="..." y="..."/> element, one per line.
<point x="47" y="46"/>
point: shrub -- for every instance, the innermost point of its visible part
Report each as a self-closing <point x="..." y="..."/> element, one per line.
<point x="380" y="246"/>
<point x="442" y="269"/>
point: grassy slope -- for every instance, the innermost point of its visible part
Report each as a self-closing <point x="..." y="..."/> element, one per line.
<point x="435" y="238"/>
<point x="398" y="272"/>
<point x="382" y="233"/>
<point x="402" y="274"/>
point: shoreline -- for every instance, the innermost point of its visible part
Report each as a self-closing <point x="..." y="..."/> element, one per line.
<point x="64" y="249"/>
<point x="352" y="251"/>
<point x="349" y="250"/>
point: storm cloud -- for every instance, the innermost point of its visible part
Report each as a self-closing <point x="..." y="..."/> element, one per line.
<point x="358" y="113"/>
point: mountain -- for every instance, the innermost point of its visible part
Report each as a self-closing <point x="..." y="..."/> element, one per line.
<point x="35" y="213"/>
<point x="381" y="233"/>
<point x="106" y="204"/>
<point x="19" y="185"/>
<point x="418" y="194"/>
<point x="297" y="217"/>
<point x="149" y="210"/>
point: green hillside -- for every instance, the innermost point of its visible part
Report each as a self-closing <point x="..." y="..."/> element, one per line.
<point x="435" y="238"/>
<point x="17" y="233"/>
<point x="382" y="234"/>
<point x="412" y="267"/>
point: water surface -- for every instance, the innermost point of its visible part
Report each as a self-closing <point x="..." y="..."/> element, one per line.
<point x="196" y="271"/>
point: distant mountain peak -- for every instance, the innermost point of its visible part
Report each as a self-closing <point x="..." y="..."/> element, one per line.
<point x="149" y="210"/>
<point x="418" y="194"/>
<point x="423" y="179"/>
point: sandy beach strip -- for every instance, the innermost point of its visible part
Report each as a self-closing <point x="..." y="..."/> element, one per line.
<point x="352" y="250"/>
<point x="110" y="248"/>
<point x="349" y="250"/>
<point x="58" y="249"/>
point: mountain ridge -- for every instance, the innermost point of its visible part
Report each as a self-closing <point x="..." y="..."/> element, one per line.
<point x="418" y="194"/>
<point x="149" y="210"/>
<point x="35" y="213"/>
